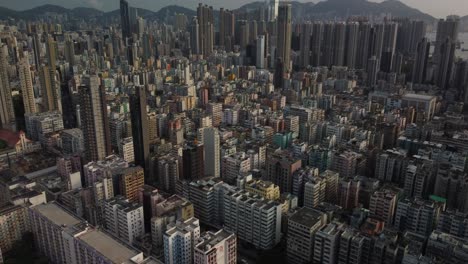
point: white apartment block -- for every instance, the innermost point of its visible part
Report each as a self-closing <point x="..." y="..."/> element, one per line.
<point x="253" y="218"/>
<point x="179" y="240"/>
<point x="216" y="248"/>
<point x="65" y="239"/>
<point x="124" y="219"/>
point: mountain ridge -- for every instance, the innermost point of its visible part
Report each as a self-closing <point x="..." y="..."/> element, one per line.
<point x="330" y="9"/>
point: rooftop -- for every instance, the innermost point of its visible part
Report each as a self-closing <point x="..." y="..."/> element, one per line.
<point x="107" y="246"/>
<point x="306" y="217"/>
<point x="56" y="214"/>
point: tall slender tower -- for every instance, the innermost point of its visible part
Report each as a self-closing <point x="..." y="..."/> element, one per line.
<point x="284" y="35"/>
<point x="420" y="63"/>
<point x="363" y="46"/>
<point x="226" y="28"/>
<point x="212" y="152"/>
<point x="352" y="38"/>
<point x="445" y="63"/>
<point x="140" y="129"/>
<point x="51" y="97"/>
<point x="37" y="50"/>
<point x="327" y="45"/>
<point x="206" y="29"/>
<point x="315" y="44"/>
<point x="447" y="28"/>
<point x="389" y="46"/>
<point x="94" y="119"/>
<point x="306" y="33"/>
<point x="125" y="19"/>
<point x="7" y="114"/>
<point x="260" y="56"/>
<point x="339" y="38"/>
<point x="27" y="90"/>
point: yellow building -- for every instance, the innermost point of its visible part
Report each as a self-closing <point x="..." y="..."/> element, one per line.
<point x="131" y="180"/>
<point x="13" y="224"/>
<point x="266" y="189"/>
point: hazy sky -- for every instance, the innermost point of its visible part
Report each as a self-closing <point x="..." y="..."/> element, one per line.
<point x="437" y="8"/>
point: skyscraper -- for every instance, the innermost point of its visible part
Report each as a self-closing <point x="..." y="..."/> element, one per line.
<point x="211" y="143"/>
<point x="306" y="34"/>
<point x="36" y="42"/>
<point x="125" y="19"/>
<point x="94" y="119"/>
<point x="7" y="114"/>
<point x="377" y="36"/>
<point x="447" y="28"/>
<point x="315" y="44"/>
<point x="51" y="97"/>
<point x="339" y="38"/>
<point x="27" y="87"/>
<point x="179" y="241"/>
<point x="226" y="28"/>
<point x="445" y="59"/>
<point x="352" y="40"/>
<point x="373" y="66"/>
<point x="363" y="45"/>
<point x="193" y="161"/>
<point x="389" y="46"/>
<point x="194" y="36"/>
<point x="260" y="56"/>
<point x="420" y="63"/>
<point x="284" y="35"/>
<point x="140" y="129"/>
<point x="327" y="45"/>
<point x="206" y="29"/>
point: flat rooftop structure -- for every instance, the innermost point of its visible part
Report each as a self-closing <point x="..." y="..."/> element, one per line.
<point x="56" y="214"/>
<point x="307" y="217"/>
<point x="418" y="97"/>
<point x="108" y="246"/>
<point x="211" y="239"/>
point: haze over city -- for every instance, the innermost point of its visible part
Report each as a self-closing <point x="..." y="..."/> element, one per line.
<point x="277" y="132"/>
<point x="436" y="8"/>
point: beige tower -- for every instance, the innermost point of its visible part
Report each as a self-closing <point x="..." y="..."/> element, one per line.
<point x="7" y="114"/>
<point x="27" y="90"/>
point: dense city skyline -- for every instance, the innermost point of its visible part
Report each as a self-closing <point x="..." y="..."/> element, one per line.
<point x="436" y="8"/>
<point x="281" y="133"/>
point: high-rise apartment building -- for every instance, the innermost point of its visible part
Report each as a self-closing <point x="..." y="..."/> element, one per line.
<point x="383" y="204"/>
<point x="140" y="131"/>
<point x="193" y="161"/>
<point x="284" y="24"/>
<point x="212" y="152"/>
<point x="167" y="211"/>
<point x="63" y="238"/>
<point x="417" y="215"/>
<point x="126" y="149"/>
<point x="179" y="241"/>
<point x="326" y="243"/>
<point x="254" y="219"/>
<point x="94" y="119"/>
<point x="234" y="166"/>
<point x="125" y="19"/>
<point x="206" y="33"/>
<point x="454" y="223"/>
<point x="216" y="248"/>
<point x="280" y="170"/>
<point x="7" y="114"/>
<point x="131" y="180"/>
<point x="123" y="218"/>
<point x="226" y="28"/>
<point x="302" y="227"/>
<point x="27" y="88"/>
<point x="419" y="74"/>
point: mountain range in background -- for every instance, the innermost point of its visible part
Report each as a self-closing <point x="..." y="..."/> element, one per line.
<point x="331" y="9"/>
